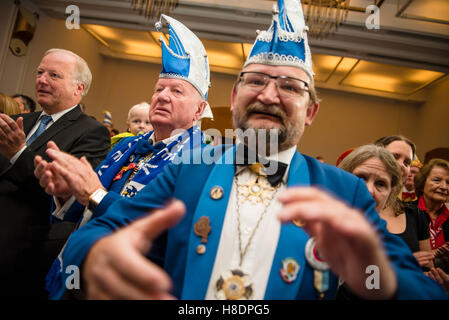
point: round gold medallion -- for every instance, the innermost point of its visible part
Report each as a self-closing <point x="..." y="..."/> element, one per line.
<point x="234" y="288"/>
<point x="234" y="285"/>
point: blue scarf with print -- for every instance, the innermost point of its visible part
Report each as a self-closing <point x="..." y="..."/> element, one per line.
<point x="133" y="149"/>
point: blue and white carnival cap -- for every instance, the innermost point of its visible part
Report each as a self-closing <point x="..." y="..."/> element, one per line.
<point x="285" y="42"/>
<point x="185" y="58"/>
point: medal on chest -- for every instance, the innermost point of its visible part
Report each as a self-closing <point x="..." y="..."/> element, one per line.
<point x="320" y="268"/>
<point x="256" y="189"/>
<point x="235" y="284"/>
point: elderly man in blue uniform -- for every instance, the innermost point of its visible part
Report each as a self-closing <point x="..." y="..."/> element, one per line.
<point x="239" y="232"/>
<point x="179" y="101"/>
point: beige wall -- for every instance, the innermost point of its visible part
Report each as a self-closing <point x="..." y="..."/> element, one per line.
<point x="52" y="33"/>
<point x="347" y="120"/>
<point x="433" y="119"/>
<point x="123" y="84"/>
<point x="19" y="73"/>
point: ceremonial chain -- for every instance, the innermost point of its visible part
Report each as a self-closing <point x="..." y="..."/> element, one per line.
<point x="243" y="253"/>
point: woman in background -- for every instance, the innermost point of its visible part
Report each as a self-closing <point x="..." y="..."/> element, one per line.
<point x="8" y="105"/>
<point x="432" y="188"/>
<point x="382" y="175"/>
<point x="402" y="149"/>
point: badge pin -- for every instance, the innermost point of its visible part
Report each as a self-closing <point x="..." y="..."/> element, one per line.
<point x="216" y="192"/>
<point x="202" y="228"/>
<point x="321" y="268"/>
<point x="290" y="269"/>
<point x="201" y="249"/>
<point x="313" y="256"/>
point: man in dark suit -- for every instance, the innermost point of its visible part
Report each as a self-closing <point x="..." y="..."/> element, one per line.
<point x="28" y="240"/>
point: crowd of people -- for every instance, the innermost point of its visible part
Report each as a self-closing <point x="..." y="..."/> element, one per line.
<point x="159" y="213"/>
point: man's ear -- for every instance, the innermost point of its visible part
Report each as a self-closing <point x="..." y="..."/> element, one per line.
<point x="79" y="88"/>
<point x="233" y="94"/>
<point x="200" y="110"/>
<point x="312" y="111"/>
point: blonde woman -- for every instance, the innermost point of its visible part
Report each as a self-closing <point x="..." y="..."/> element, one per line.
<point x="8" y="105"/>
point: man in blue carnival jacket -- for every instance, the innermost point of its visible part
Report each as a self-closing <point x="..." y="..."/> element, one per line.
<point x="178" y="102"/>
<point x="283" y="229"/>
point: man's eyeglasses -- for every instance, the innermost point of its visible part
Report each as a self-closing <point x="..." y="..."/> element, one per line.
<point x="286" y="86"/>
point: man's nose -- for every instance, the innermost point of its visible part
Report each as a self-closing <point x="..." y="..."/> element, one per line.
<point x="270" y="94"/>
<point x="163" y="94"/>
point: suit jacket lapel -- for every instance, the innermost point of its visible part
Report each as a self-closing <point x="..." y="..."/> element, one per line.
<point x="60" y="124"/>
<point x="29" y="121"/>
<point x="199" y="266"/>
<point x="291" y="243"/>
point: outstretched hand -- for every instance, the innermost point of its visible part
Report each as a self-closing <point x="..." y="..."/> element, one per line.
<point x="116" y="266"/>
<point x="344" y="238"/>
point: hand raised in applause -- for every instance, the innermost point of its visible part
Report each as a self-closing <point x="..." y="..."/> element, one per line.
<point x="440" y="276"/>
<point x="424" y="258"/>
<point x="12" y="137"/>
<point x="116" y="268"/>
<point x="67" y="175"/>
<point x="53" y="183"/>
<point x="344" y="238"/>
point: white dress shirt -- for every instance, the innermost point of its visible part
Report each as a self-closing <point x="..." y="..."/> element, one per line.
<point x="259" y="256"/>
<point x="54" y="118"/>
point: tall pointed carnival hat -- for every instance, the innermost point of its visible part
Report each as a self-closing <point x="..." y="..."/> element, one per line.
<point x="185" y="58"/>
<point x="285" y="42"/>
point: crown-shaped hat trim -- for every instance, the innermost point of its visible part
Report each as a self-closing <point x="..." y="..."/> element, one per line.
<point x="285" y="42"/>
<point x="185" y="58"/>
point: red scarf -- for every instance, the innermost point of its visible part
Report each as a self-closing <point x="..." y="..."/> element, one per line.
<point x="436" y="227"/>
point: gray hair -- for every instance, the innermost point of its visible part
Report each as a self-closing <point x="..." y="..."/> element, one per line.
<point x="82" y="72"/>
<point x="363" y="153"/>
